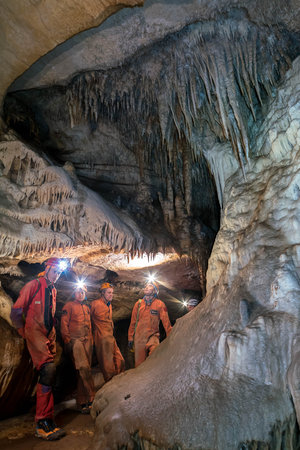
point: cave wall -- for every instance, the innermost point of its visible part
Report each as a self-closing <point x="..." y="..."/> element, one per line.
<point x="232" y="382"/>
<point x="132" y="29"/>
<point x="16" y="365"/>
<point x="31" y="28"/>
<point x="44" y="208"/>
<point x="240" y="345"/>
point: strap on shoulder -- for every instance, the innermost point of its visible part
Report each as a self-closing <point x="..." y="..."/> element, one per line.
<point x="137" y="316"/>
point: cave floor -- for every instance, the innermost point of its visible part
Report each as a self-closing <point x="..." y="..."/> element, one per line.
<point x="17" y="433"/>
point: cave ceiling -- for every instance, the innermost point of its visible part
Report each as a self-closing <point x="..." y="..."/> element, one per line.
<point x="130" y="129"/>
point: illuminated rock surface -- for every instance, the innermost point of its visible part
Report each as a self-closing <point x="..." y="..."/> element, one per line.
<point x="140" y="146"/>
<point x="34" y="27"/>
<point x="220" y="381"/>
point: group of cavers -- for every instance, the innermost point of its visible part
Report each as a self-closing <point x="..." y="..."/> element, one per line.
<point x="83" y="326"/>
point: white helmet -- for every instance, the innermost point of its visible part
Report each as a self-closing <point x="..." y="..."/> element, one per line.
<point x="192" y="302"/>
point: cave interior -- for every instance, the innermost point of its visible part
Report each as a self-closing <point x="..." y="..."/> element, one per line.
<point x="163" y="140"/>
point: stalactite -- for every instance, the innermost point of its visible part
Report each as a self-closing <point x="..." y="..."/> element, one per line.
<point x="58" y="219"/>
<point x="207" y="75"/>
<point x="207" y="72"/>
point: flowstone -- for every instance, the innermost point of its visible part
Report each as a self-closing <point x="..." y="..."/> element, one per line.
<point x="44" y="208"/>
<point x="227" y="377"/>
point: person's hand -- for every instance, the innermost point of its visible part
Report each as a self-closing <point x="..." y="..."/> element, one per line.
<point x="130" y="345"/>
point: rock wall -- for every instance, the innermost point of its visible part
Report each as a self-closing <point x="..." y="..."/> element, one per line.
<point x="228" y="375"/>
<point x="44" y="208"/>
<point x="131" y="29"/>
<point x="15" y="365"/>
<point x="31" y="28"/>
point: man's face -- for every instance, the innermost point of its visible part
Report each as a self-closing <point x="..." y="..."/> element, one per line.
<point x="148" y="289"/>
<point x="190" y="307"/>
<point x="108" y="294"/>
<point x="79" y="294"/>
<point x="53" y="273"/>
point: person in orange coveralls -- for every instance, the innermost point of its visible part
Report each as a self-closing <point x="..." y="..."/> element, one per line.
<point x="76" y="332"/>
<point x="143" y="331"/>
<point x="191" y="304"/>
<point x="33" y="316"/>
<point x="109" y="357"/>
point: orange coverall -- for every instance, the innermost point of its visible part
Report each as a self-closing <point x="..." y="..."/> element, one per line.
<point x="37" y="303"/>
<point x="146" y="334"/>
<point x="108" y="353"/>
<point x="76" y="329"/>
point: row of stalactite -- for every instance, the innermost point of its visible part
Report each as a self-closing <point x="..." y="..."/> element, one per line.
<point x="207" y="79"/>
<point x="37" y="187"/>
<point x="216" y="73"/>
<point x="13" y="246"/>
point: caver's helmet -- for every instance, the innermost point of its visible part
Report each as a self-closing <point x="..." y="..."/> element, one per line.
<point x="192" y="302"/>
<point x="155" y="286"/>
<point x="81" y="287"/>
<point x="105" y="285"/>
<point x="61" y="264"/>
<point x="53" y="262"/>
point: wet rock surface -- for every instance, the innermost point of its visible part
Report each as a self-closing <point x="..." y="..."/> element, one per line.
<point x="18" y="433"/>
<point x="15" y="365"/>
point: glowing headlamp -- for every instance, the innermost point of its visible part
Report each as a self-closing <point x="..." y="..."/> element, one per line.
<point x="185" y="303"/>
<point x="80" y="284"/>
<point x="63" y="265"/>
<point x="151" y="278"/>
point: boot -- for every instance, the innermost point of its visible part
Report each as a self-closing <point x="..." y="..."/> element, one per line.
<point x="47" y="430"/>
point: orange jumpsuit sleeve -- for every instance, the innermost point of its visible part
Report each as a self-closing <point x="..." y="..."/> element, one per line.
<point x="64" y="323"/>
<point x="20" y="308"/>
<point x="164" y="317"/>
<point x="132" y="322"/>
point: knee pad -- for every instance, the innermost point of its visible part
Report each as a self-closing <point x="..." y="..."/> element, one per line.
<point x="47" y="374"/>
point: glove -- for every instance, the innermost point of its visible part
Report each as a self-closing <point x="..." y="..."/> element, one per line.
<point x="130" y="345"/>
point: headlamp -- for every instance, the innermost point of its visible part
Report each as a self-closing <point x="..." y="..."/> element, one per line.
<point x="80" y="284"/>
<point x="63" y="265"/>
<point x="151" y="278"/>
<point x="185" y="303"/>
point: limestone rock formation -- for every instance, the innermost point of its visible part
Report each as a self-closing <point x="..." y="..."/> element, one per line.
<point x="33" y="27"/>
<point x="15" y="365"/>
<point x="232" y="381"/>
<point x="138" y="147"/>
<point x="45" y="209"/>
<point x="5" y="305"/>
